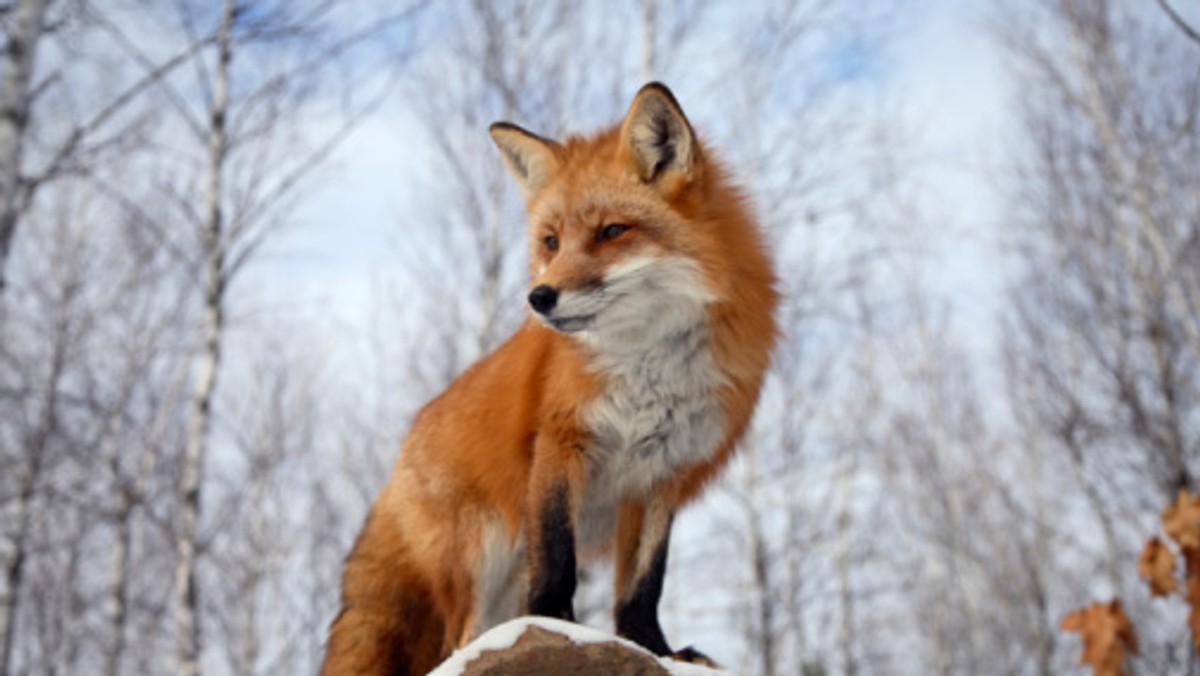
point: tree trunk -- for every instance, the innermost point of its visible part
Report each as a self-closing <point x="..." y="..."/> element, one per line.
<point x="115" y="649"/>
<point x="200" y="415"/>
<point x="36" y="448"/>
<point x="1129" y="177"/>
<point x="762" y="640"/>
<point x="649" y="33"/>
<point x="14" y="567"/>
<point x="844" y="561"/>
<point x="14" y="115"/>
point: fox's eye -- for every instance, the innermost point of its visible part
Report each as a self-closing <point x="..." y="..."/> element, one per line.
<point x="611" y="232"/>
<point x="551" y="242"/>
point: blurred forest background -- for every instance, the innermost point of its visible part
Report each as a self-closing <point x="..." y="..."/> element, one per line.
<point x="195" y="416"/>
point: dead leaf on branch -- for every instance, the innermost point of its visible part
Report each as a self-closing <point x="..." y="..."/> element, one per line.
<point x="1157" y="566"/>
<point x="1108" y="637"/>
<point x="1181" y="521"/>
<point x="1191" y="559"/>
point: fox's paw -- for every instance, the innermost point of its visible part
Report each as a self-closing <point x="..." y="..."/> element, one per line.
<point x="690" y="654"/>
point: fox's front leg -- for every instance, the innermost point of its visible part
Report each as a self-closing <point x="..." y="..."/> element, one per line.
<point x="643" y="535"/>
<point x="643" y="531"/>
<point x="550" y="529"/>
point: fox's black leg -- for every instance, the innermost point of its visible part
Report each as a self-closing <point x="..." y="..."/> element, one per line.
<point x="643" y="537"/>
<point x="643" y="533"/>
<point x="637" y="614"/>
<point x="552" y="557"/>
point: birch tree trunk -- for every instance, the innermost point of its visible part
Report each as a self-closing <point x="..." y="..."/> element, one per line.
<point x="200" y="414"/>
<point x="649" y="38"/>
<point x="120" y="593"/>
<point x="14" y="116"/>
<point x="117" y="612"/>
<point x="1129" y="173"/>
<point x="760" y="630"/>
<point x="844" y="562"/>
<point x="36" y="447"/>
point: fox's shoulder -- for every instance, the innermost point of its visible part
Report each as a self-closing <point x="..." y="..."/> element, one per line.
<point x="511" y="389"/>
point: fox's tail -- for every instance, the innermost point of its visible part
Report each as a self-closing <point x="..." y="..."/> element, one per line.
<point x="388" y="623"/>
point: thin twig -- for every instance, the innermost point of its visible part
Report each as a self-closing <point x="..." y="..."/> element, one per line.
<point x="1192" y="34"/>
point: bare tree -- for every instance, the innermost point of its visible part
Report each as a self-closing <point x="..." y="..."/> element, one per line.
<point x="1113" y="278"/>
<point x="199" y="415"/>
<point x="15" y="95"/>
<point x="250" y="176"/>
<point x="96" y="424"/>
<point x="36" y="440"/>
<point x="24" y="170"/>
<point x="801" y="518"/>
<point x="59" y="408"/>
<point x="1106" y="316"/>
<point x="93" y="130"/>
<point x="1183" y="26"/>
<point x="498" y="53"/>
<point x="276" y="410"/>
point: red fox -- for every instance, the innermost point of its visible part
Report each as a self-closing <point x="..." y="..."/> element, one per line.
<point x="624" y="393"/>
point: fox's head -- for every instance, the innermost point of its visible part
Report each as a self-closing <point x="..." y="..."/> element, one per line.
<point x="624" y="226"/>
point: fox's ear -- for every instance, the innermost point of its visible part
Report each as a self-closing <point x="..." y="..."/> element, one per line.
<point x="657" y="137"/>
<point x="532" y="159"/>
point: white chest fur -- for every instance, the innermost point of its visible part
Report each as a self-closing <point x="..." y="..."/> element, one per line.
<point x="658" y="413"/>
<point x="660" y="409"/>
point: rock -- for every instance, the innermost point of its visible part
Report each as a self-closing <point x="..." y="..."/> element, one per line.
<point x="543" y="647"/>
<point x="543" y="652"/>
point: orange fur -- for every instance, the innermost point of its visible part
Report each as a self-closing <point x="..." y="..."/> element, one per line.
<point x="482" y="457"/>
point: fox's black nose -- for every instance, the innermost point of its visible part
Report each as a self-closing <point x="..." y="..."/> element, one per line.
<point x="543" y="298"/>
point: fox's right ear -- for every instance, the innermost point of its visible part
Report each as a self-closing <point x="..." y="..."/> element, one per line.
<point x="532" y="159"/>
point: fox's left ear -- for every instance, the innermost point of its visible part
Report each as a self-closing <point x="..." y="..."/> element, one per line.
<point x="656" y="137"/>
<point x="531" y="159"/>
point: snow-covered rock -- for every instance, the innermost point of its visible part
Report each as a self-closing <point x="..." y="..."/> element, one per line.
<point x="540" y="646"/>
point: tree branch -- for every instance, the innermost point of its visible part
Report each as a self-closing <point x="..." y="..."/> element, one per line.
<point x="1182" y="25"/>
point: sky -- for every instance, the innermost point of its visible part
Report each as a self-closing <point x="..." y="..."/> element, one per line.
<point x="957" y="96"/>
<point x="941" y="72"/>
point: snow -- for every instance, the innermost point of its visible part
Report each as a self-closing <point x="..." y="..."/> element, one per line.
<point x="677" y="668"/>
<point x="505" y="636"/>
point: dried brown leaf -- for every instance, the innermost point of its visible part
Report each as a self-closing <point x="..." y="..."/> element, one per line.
<point x="1181" y="521"/>
<point x="1108" y="637"/>
<point x="1157" y="566"/>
